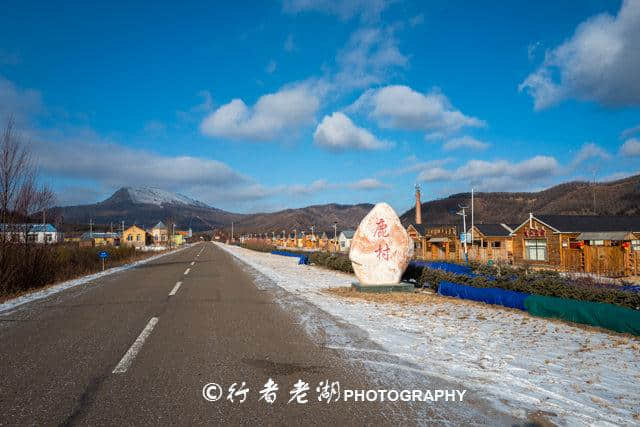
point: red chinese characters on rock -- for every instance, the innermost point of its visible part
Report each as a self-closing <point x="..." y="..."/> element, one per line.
<point x="383" y="252"/>
<point x="381" y="230"/>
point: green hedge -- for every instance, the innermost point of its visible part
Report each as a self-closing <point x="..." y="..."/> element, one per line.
<point x="537" y="283"/>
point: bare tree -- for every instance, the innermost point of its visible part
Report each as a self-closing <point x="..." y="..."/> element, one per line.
<point x="20" y="193"/>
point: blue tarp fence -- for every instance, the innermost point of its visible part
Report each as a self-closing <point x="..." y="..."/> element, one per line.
<point x="445" y="266"/>
<point x="498" y="296"/>
<point x="303" y="259"/>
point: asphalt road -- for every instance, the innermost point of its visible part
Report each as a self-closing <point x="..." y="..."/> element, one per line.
<point x="135" y="348"/>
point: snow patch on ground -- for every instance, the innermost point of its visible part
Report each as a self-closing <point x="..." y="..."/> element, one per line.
<point x="521" y="364"/>
<point x="44" y="293"/>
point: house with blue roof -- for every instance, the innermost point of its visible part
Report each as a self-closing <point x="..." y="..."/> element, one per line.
<point x="33" y="233"/>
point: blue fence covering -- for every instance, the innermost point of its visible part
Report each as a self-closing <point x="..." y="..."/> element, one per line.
<point x="445" y="266"/>
<point x="303" y="259"/>
<point x="631" y="288"/>
<point x="489" y="295"/>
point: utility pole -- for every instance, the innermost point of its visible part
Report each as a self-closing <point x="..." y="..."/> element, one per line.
<point x="464" y="226"/>
<point x="472" y="216"/>
<point x="232" y="231"/>
<point x="122" y="229"/>
<point x="91" y="227"/>
<point x="335" y="235"/>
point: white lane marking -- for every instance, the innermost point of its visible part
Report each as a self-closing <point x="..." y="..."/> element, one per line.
<point x="187" y="271"/>
<point x="175" y="289"/>
<point x="193" y="262"/>
<point x="130" y="355"/>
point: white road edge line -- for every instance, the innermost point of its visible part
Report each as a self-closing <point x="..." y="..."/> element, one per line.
<point x="175" y="289"/>
<point x="187" y="271"/>
<point x="130" y="355"/>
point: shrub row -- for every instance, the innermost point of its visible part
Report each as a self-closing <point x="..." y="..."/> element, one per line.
<point x="537" y="283"/>
<point x="30" y="266"/>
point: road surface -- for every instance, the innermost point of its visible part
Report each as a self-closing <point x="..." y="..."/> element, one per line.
<point x="137" y="348"/>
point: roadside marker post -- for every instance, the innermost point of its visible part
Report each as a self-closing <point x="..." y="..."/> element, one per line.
<point x="103" y="255"/>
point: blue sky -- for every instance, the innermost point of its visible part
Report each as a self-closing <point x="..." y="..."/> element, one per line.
<point x="259" y="106"/>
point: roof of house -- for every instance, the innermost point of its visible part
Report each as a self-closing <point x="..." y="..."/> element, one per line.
<point x="32" y="228"/>
<point x="494" y="230"/>
<point x="348" y="233"/>
<point x="582" y="223"/>
<point x="419" y="228"/>
<point x="616" y="236"/>
<point x="160" y="224"/>
<point x="99" y="235"/>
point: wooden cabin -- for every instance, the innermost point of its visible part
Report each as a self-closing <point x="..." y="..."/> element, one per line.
<point x="584" y="243"/>
<point x="491" y="242"/>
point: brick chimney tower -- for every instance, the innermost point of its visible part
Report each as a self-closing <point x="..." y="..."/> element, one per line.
<point x="418" y="205"/>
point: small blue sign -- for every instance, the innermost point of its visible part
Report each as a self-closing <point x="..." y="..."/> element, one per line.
<point x="103" y="254"/>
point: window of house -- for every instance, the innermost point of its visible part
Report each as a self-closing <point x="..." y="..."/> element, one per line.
<point x="485" y="244"/>
<point x="342" y="244"/>
<point x="596" y="242"/>
<point x="138" y="237"/>
<point x="129" y="237"/>
<point x="49" y="237"/>
<point x="535" y="249"/>
<point x="495" y="244"/>
<point x="635" y="245"/>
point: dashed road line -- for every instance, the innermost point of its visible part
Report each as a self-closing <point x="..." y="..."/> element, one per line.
<point x="130" y="355"/>
<point x="187" y="271"/>
<point x="175" y="289"/>
<point x="193" y="262"/>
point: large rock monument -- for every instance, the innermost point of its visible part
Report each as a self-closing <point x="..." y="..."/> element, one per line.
<point x="380" y="250"/>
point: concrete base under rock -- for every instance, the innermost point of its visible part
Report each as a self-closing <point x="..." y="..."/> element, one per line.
<point x="396" y="287"/>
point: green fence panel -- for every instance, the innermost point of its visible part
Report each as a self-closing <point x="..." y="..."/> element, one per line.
<point x="609" y="316"/>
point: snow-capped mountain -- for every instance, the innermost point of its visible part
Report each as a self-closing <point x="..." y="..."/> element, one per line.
<point x="157" y="196"/>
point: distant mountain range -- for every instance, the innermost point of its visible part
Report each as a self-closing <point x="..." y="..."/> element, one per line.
<point x="620" y="197"/>
<point x="145" y="206"/>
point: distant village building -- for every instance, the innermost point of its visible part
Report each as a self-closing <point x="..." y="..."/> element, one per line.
<point x="99" y="239"/>
<point x="344" y="240"/>
<point x="134" y="236"/>
<point x="160" y="234"/>
<point x="35" y="233"/>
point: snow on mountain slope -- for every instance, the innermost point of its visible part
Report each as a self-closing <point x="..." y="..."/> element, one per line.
<point x="159" y="197"/>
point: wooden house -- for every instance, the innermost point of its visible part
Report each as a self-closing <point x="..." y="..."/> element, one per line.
<point x="417" y="234"/>
<point x="585" y="243"/>
<point x="491" y="242"/>
<point x="99" y="239"/>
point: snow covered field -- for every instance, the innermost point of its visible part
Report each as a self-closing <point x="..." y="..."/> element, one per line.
<point x="522" y="364"/>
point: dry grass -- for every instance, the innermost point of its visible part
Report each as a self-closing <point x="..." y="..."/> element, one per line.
<point x="425" y="297"/>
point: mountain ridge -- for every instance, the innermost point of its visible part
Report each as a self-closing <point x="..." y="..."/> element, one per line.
<point x="619" y="197"/>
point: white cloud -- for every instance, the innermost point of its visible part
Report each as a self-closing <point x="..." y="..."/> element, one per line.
<point x="630" y="131"/>
<point x="271" y="67"/>
<point x="344" y="9"/>
<point x="271" y="116"/>
<point x="86" y="157"/>
<point x="368" y="184"/>
<point x="337" y="132"/>
<point x="465" y="142"/>
<point x="589" y="151"/>
<point x="600" y="62"/>
<point x="411" y="165"/>
<point x="630" y="148"/>
<point x="22" y="104"/>
<point x="401" y="107"/>
<point x="370" y="55"/>
<point x="498" y="174"/>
